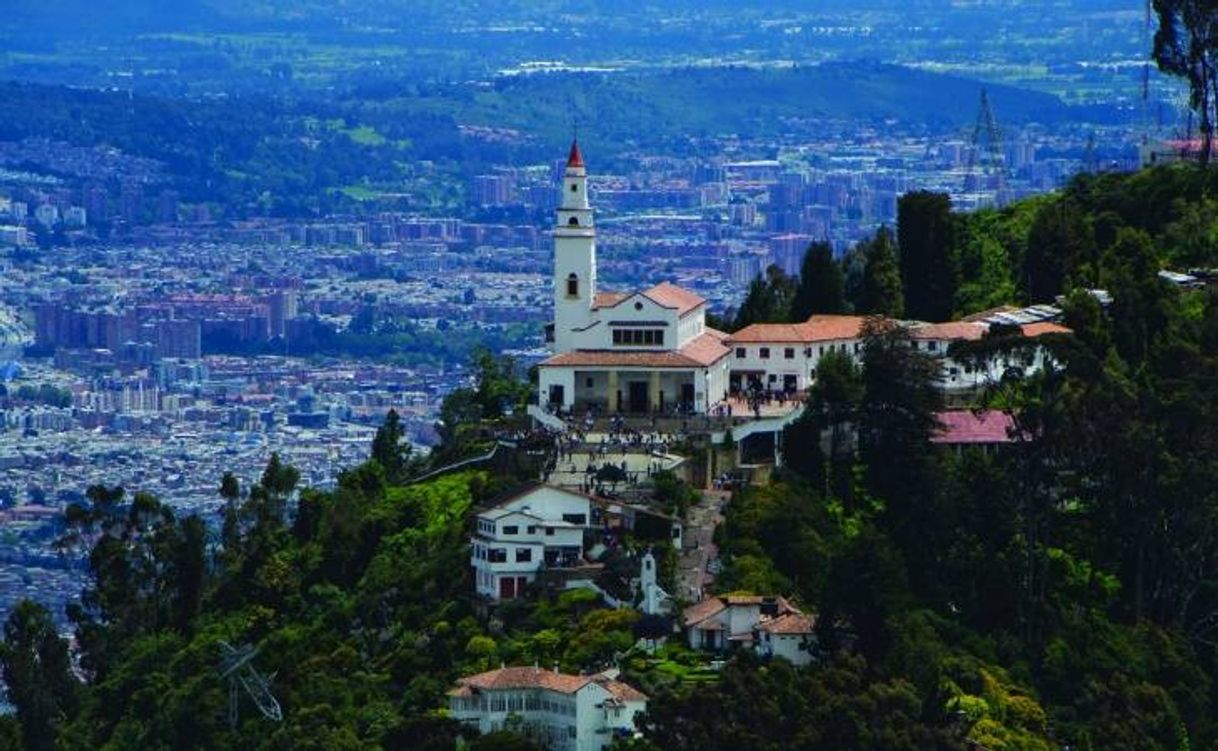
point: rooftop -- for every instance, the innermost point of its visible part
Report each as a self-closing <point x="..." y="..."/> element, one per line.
<point x="818" y="328"/>
<point x="669" y="295"/>
<point x="964" y="427"/>
<point x="953" y="330"/>
<point x="705" y="349"/>
<point x="575" y="158"/>
<point x="515" y="678"/>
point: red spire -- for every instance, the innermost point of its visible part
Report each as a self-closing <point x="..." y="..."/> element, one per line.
<point x="575" y="159"/>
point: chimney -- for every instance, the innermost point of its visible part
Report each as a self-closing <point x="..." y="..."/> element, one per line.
<point x="556" y="667"/>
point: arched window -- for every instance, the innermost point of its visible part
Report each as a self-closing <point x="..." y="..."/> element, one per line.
<point x="572" y="285"/>
<point x="573" y="222"/>
<point x="574" y="187"/>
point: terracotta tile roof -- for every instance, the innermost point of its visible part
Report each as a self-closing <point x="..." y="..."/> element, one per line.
<point x="669" y="295"/>
<point x="516" y="678"/>
<point x="607" y="299"/>
<point x="620" y="691"/>
<point x="951" y="331"/>
<point x="818" y="328"/>
<point x="789" y="623"/>
<point x="1041" y="328"/>
<point x="968" y="427"/>
<point x="698" y="612"/>
<point x="604" y="358"/>
<point x="506" y="679"/>
<point x="705" y="349"/>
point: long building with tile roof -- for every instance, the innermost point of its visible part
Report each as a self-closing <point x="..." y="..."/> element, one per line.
<point x="564" y="712"/>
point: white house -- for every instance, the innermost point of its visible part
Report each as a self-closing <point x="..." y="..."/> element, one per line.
<point x="782" y="357"/>
<point x="563" y="712"/>
<point x="935" y="339"/>
<point x="770" y="625"/>
<point x="542" y="527"/>
<point x="635" y="352"/>
<point x="789" y="636"/>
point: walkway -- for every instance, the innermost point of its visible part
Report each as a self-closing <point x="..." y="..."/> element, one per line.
<point x="692" y="576"/>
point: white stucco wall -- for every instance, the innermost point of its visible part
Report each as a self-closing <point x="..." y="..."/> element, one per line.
<point x="802" y="364"/>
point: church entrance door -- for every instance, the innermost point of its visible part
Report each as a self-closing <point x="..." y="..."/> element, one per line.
<point x="638" y="396"/>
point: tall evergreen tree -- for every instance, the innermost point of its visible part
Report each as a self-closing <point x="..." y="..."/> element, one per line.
<point x="390" y="449"/>
<point x="881" y="293"/>
<point x="38" y="674"/>
<point x="1059" y="240"/>
<point x="928" y="258"/>
<point x="768" y="299"/>
<point x="821" y="284"/>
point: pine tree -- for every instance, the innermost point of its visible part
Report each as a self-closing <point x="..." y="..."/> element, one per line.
<point x="1058" y="241"/>
<point x="389" y="449"/>
<point x="768" y="300"/>
<point x="821" y="284"/>
<point x="881" y="289"/>
<point x="928" y="259"/>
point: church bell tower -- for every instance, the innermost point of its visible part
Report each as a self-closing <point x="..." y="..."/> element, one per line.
<point x="574" y="255"/>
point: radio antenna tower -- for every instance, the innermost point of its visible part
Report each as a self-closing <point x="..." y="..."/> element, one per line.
<point x="235" y="667"/>
<point x="1146" y="43"/>
<point x="993" y="161"/>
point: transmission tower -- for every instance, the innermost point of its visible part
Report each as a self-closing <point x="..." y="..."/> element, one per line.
<point x="235" y="667"/>
<point x="1146" y="76"/>
<point x="993" y="161"/>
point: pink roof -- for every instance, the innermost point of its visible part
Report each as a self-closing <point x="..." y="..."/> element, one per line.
<point x="669" y="295"/>
<point x="968" y="427"/>
<point x="818" y="328"/>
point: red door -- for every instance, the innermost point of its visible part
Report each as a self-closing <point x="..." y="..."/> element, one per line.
<point x="507" y="588"/>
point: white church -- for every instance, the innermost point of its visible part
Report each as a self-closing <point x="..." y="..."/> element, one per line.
<point x="651" y="351"/>
<point x="638" y="352"/>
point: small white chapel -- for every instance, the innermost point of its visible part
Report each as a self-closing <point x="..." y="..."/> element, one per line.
<point x="639" y="352"/>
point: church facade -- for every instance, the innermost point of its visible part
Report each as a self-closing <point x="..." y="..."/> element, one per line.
<point x="641" y="352"/>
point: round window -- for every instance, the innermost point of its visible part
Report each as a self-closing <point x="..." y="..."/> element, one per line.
<point x="638" y="306"/>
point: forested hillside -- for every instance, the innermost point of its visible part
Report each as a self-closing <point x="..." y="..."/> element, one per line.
<point x="255" y="155"/>
<point x="1059" y="592"/>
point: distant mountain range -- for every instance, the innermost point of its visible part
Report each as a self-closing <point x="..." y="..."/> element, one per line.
<point x="88" y="18"/>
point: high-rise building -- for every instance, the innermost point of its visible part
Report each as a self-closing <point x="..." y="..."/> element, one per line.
<point x="179" y="339"/>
